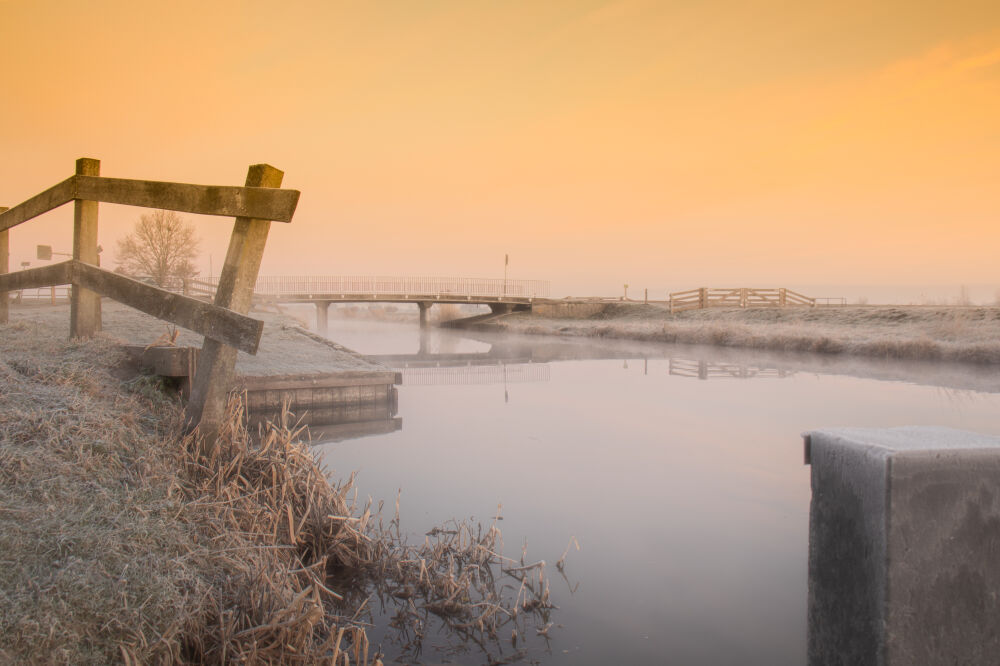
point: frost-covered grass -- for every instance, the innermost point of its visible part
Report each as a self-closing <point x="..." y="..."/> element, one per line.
<point x="122" y="540"/>
<point x="968" y="334"/>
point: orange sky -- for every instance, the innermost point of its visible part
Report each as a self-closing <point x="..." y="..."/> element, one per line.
<point x="663" y="144"/>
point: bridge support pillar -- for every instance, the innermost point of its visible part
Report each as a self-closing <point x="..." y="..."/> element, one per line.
<point x="501" y="308"/>
<point x="424" y="307"/>
<point x="322" y="317"/>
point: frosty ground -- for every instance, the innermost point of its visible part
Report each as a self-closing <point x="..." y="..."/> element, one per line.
<point x="961" y="334"/>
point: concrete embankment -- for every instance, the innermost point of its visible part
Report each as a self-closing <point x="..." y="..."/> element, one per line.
<point x="312" y="375"/>
<point x="967" y="334"/>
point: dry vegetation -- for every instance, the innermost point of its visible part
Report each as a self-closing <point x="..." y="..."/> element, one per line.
<point x="967" y="334"/>
<point x="122" y="541"/>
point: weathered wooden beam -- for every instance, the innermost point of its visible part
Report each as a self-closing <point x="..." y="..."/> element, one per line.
<point x="4" y="267"/>
<point x="32" y="278"/>
<point x="215" y="323"/>
<point x="216" y="365"/>
<point x="85" y="305"/>
<point x="256" y="202"/>
<point x="51" y="198"/>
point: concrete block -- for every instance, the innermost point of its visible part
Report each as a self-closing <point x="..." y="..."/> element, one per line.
<point x="570" y="310"/>
<point x="904" y="546"/>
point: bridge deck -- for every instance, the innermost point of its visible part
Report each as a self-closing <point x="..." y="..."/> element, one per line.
<point x="395" y="289"/>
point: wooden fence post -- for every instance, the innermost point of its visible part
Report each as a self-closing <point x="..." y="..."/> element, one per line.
<point x="703" y="297"/>
<point x="85" y="305"/>
<point x="743" y="297"/>
<point x="216" y="361"/>
<point x="4" y="267"/>
<point x="781" y="297"/>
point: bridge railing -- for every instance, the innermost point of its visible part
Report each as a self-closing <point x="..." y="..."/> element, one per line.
<point x="379" y="285"/>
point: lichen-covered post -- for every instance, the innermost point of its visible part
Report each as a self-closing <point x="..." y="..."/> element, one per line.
<point x="4" y="267"/>
<point x="85" y="305"/>
<point x="216" y="361"/>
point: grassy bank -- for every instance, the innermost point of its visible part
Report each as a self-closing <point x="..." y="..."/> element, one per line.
<point x="968" y="334"/>
<point x="122" y="542"/>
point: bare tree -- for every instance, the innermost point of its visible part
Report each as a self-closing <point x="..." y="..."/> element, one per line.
<point x="161" y="247"/>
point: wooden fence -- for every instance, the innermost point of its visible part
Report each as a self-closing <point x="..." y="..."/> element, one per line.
<point x="739" y="297"/>
<point x="223" y="323"/>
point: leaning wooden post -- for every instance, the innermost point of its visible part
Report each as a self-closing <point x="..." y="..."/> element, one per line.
<point x="85" y="305"/>
<point x="4" y="267"/>
<point x="217" y="362"/>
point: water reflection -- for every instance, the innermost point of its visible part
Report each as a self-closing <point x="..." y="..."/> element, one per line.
<point x="689" y="498"/>
<point x="339" y="422"/>
<point x="702" y="369"/>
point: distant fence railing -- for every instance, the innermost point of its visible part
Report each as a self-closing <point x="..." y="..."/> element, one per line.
<point x="41" y="295"/>
<point x="280" y="285"/>
<point x="739" y="297"/>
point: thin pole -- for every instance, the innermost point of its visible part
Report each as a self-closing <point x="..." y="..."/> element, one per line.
<point x="85" y="305"/>
<point x="506" y="260"/>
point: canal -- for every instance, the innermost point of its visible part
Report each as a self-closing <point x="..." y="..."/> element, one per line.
<point x="678" y="470"/>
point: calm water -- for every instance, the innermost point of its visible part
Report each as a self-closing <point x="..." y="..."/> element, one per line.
<point x="678" y="469"/>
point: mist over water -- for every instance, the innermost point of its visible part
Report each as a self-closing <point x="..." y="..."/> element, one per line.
<point x="678" y="469"/>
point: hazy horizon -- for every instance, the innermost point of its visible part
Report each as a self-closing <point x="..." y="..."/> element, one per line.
<point x="660" y="144"/>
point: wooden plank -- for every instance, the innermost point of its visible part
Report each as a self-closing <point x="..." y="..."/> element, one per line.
<point x="214" y="322"/>
<point x="32" y="278"/>
<point x="85" y="305"/>
<point x="262" y="203"/>
<point x="51" y="198"/>
<point x="257" y="202"/>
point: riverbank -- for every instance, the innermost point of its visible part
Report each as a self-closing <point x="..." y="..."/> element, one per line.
<point x="121" y="542"/>
<point x="964" y="334"/>
<point x="124" y="541"/>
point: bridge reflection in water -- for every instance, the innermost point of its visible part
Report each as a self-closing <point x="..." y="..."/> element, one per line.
<point x="504" y="373"/>
<point x="504" y="362"/>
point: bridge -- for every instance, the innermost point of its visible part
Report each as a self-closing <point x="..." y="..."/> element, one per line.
<point x="501" y="294"/>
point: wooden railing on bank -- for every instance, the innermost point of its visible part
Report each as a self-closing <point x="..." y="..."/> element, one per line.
<point x="223" y="322"/>
<point x="739" y="297"/>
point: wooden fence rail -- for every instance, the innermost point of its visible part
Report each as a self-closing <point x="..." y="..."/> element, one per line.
<point x="738" y="297"/>
<point x="223" y="323"/>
